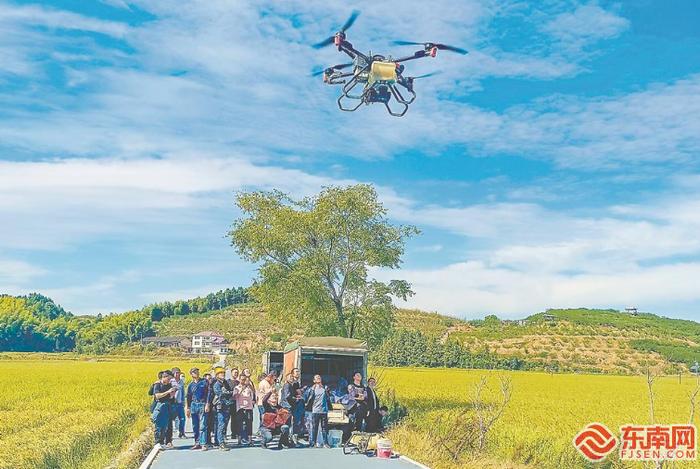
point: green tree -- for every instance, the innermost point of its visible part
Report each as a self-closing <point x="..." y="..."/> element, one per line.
<point x="314" y="257"/>
<point x="492" y="321"/>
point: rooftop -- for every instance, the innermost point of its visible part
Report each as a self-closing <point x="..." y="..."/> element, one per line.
<point x="209" y="334"/>
<point x="328" y="342"/>
<point x="173" y="339"/>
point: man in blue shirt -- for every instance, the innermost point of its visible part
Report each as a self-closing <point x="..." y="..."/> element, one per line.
<point x="197" y="407"/>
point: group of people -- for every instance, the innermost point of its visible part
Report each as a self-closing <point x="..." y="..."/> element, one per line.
<point x="226" y="399"/>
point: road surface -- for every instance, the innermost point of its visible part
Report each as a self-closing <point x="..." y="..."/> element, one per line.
<point x="256" y="457"/>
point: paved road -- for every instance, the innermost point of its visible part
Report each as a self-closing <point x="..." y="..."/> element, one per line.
<point x="257" y="457"/>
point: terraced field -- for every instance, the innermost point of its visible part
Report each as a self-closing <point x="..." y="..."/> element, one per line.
<point x="593" y="341"/>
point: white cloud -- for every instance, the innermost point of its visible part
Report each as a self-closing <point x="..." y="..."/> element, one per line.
<point x="177" y="176"/>
<point x="473" y="289"/>
<point x="184" y="294"/>
<point x="15" y="272"/>
<point x="123" y="4"/>
<point x="429" y="248"/>
<point x="83" y="199"/>
<point x="637" y="130"/>
<point x="93" y="297"/>
<point x="58" y="19"/>
<point x="522" y="256"/>
<point x="585" y="25"/>
<point x="526" y="257"/>
<point x="483" y="64"/>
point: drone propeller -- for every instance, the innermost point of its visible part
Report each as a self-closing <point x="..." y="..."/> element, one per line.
<point x="346" y="26"/>
<point x="429" y="45"/>
<point x="334" y="67"/>
<point x="409" y="80"/>
<point x="425" y="75"/>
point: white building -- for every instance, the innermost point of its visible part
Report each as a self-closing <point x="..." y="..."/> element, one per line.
<point x="209" y="342"/>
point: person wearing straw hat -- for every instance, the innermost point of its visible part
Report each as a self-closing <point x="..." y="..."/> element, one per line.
<point x="223" y="397"/>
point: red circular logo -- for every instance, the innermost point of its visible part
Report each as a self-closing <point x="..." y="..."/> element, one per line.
<point x="595" y="441"/>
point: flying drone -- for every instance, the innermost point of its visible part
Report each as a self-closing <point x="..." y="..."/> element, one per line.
<point x="377" y="75"/>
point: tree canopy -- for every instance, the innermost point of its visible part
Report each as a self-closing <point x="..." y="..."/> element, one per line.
<point x="202" y="304"/>
<point x="315" y="256"/>
<point x="34" y="323"/>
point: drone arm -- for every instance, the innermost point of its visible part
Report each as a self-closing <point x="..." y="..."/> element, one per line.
<point x="418" y="55"/>
<point x="346" y="47"/>
<point x="338" y="79"/>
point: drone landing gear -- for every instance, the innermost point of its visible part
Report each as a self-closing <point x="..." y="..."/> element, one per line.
<point x="348" y="109"/>
<point x="401" y="100"/>
<point x="380" y="93"/>
<point x="347" y="88"/>
<point x="404" y="105"/>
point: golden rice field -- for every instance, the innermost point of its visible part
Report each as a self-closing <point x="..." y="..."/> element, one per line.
<point x="545" y="412"/>
<point x="69" y="413"/>
<point x="82" y="414"/>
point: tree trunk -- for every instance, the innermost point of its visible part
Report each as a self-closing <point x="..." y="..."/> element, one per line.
<point x="341" y="318"/>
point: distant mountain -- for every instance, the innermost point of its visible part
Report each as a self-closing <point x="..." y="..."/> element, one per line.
<point x="34" y="323"/>
<point x="589" y="340"/>
<point x="570" y="340"/>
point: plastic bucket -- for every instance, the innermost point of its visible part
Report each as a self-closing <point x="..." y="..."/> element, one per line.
<point x="334" y="438"/>
<point x="384" y="448"/>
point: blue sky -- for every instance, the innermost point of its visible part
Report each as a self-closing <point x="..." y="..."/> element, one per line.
<point x="556" y="165"/>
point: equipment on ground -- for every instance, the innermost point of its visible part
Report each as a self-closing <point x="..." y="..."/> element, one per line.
<point x="361" y="442"/>
<point x="337" y="415"/>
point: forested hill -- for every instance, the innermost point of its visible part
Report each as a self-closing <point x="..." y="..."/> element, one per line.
<point x="585" y="340"/>
<point x="35" y="323"/>
<point x="568" y="340"/>
<point x="201" y="304"/>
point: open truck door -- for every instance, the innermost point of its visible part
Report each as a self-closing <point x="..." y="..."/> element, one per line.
<point x="273" y="361"/>
<point x="336" y="359"/>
